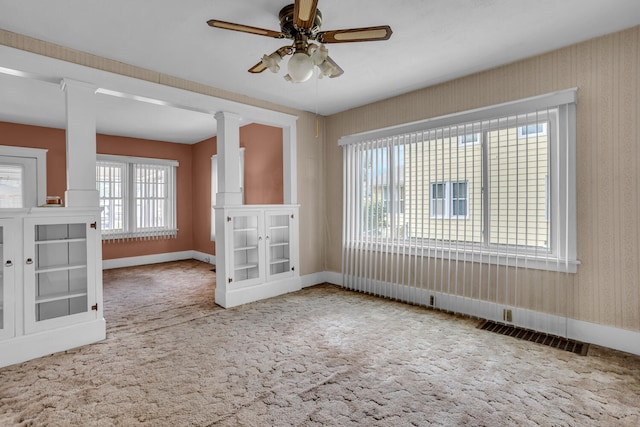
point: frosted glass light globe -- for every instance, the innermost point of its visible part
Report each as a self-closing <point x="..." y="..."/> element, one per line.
<point x="300" y="67"/>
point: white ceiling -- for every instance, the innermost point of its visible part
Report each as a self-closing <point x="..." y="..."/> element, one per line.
<point x="433" y="41"/>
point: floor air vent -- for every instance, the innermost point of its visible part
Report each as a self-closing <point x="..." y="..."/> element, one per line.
<point x="537" y="337"/>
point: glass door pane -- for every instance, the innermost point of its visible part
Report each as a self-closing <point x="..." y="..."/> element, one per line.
<point x="61" y="270"/>
<point x="246" y="261"/>
<point x="278" y="243"/>
<point x="2" y="286"/>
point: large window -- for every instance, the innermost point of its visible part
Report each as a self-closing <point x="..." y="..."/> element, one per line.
<point x="498" y="181"/>
<point x="137" y="197"/>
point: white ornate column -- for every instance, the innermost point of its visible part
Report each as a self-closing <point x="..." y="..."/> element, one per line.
<point x="228" y="154"/>
<point x="80" y="102"/>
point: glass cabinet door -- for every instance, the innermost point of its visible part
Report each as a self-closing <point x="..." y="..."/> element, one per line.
<point x="6" y="284"/>
<point x="61" y="290"/>
<point x="246" y="240"/>
<point x="61" y="270"/>
<point x="279" y="243"/>
<point x="2" y="286"/>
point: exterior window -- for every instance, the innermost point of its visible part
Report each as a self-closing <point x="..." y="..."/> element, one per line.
<point x="458" y="200"/>
<point x="137" y="197"/>
<point x="449" y="200"/>
<point x="481" y="186"/>
<point x="438" y="200"/>
<point x="469" y="139"/>
<point x="532" y="130"/>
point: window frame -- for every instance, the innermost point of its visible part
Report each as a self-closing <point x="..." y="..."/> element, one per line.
<point x="448" y="200"/>
<point x="523" y="135"/>
<point x="35" y="180"/>
<point x="561" y="255"/>
<point x="463" y="142"/>
<point x="129" y="198"/>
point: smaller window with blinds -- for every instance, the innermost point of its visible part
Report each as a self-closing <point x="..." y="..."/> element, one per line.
<point x="11" y="186"/>
<point x="137" y="197"/>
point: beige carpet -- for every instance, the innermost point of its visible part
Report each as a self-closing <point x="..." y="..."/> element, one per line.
<point x="322" y="356"/>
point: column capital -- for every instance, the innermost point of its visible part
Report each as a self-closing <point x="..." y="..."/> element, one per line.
<point x="67" y="83"/>
<point x="224" y="115"/>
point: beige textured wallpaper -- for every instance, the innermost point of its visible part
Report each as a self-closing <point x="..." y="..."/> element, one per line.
<point x="606" y="71"/>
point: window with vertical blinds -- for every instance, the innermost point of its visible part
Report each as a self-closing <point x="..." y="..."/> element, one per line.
<point x="137" y="197"/>
<point x="493" y="185"/>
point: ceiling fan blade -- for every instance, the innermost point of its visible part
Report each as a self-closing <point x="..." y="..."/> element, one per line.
<point x="304" y="13"/>
<point x="261" y="66"/>
<point x="258" y="68"/>
<point x="244" y="28"/>
<point x="355" y="35"/>
<point x="337" y="70"/>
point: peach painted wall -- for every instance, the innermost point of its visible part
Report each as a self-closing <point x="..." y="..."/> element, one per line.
<point x="202" y="152"/>
<point x="263" y="164"/>
<point x="53" y="140"/>
<point x="263" y="177"/>
<point x="107" y="144"/>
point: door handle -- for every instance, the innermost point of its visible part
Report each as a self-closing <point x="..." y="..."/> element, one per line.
<point x="9" y="263"/>
<point x="29" y="261"/>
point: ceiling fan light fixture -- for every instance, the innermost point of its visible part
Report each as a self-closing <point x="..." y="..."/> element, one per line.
<point x="272" y="61"/>
<point x="300" y="67"/>
<point x="318" y="53"/>
<point x="326" y="69"/>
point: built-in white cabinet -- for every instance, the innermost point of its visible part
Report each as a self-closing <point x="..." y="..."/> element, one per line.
<point x="51" y="282"/>
<point x="59" y="289"/>
<point x="257" y="255"/>
<point x="6" y="279"/>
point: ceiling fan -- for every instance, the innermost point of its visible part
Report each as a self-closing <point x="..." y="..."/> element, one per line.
<point x="301" y="22"/>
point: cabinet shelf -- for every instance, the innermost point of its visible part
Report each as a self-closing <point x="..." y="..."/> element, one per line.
<point x="278" y="227"/>
<point x="279" y="261"/>
<point x="276" y="245"/>
<point x="60" y="296"/>
<point x="244" y="230"/>
<point x="63" y="267"/>
<point x="246" y="248"/>
<point x="245" y="266"/>
<point x="65" y="241"/>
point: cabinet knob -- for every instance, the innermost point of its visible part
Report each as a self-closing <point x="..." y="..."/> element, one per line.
<point x="29" y="261"/>
<point x="259" y="237"/>
<point x="9" y="263"/>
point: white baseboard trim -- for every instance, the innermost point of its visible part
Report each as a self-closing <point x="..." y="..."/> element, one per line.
<point x="592" y="333"/>
<point x="31" y="346"/>
<point x="312" y="279"/>
<point x="204" y="257"/>
<point x="156" y="259"/>
<point x="228" y="298"/>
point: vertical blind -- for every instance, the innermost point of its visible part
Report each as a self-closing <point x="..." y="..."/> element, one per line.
<point x="474" y="208"/>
